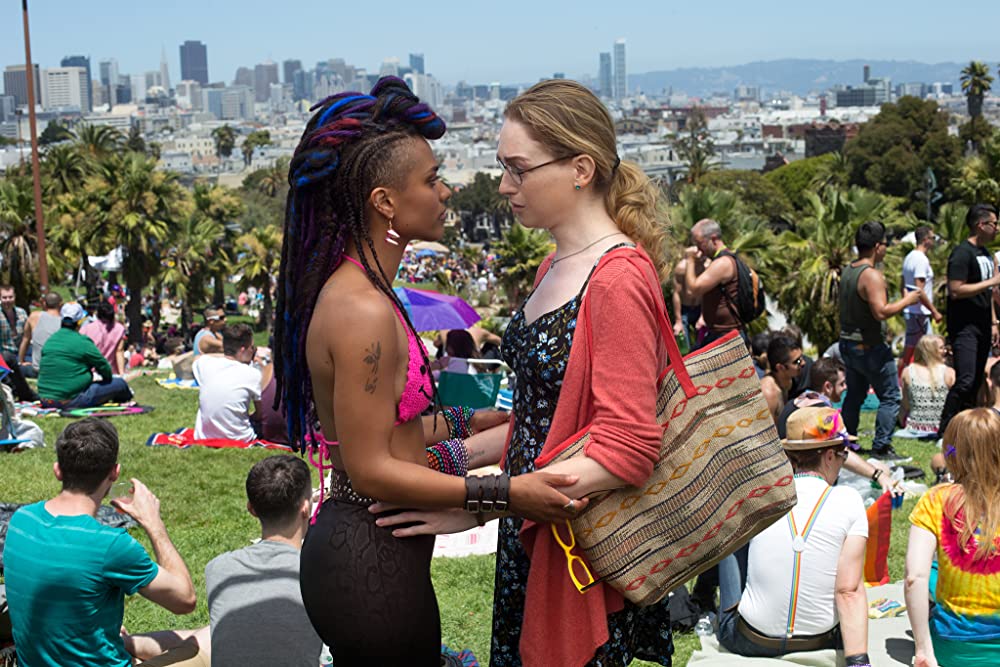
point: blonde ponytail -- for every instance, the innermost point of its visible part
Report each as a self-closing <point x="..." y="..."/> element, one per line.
<point x="634" y="202"/>
<point x="568" y="119"/>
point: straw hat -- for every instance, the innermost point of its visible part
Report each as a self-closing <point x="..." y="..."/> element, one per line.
<point x="815" y="428"/>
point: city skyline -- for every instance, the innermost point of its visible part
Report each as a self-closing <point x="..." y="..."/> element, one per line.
<point x="525" y="42"/>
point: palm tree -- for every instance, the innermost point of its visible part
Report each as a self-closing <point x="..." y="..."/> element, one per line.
<point x="979" y="176"/>
<point x="64" y="168"/>
<point x="136" y="207"/>
<point x="17" y="238"/>
<point x="225" y="141"/>
<point x="253" y="140"/>
<point x="519" y="254"/>
<point x="98" y="141"/>
<point x="805" y="275"/>
<point x="834" y="171"/>
<point x="272" y="179"/>
<point x="186" y="264"/>
<point x="259" y="256"/>
<point x="976" y="82"/>
<point x="696" y="147"/>
<point x="223" y="206"/>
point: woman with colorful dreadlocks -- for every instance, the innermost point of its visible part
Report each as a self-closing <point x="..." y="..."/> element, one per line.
<point x="354" y="377"/>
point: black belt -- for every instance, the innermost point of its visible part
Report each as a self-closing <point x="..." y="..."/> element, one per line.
<point x="828" y="639"/>
<point x="342" y="491"/>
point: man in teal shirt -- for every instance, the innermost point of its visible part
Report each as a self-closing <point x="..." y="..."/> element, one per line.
<point x="65" y="373"/>
<point x="67" y="575"/>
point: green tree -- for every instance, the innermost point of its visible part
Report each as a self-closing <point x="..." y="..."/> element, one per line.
<point x="976" y="82"/>
<point x="135" y="141"/>
<point x="225" y="141"/>
<point x="250" y="144"/>
<point x="136" y="207"/>
<point x="519" y="254"/>
<point x="96" y="142"/>
<point x="759" y="197"/>
<point x="894" y="149"/>
<point x="53" y="133"/>
<point x="259" y="253"/>
<point x="804" y="277"/>
<point x="696" y="148"/>
<point x="194" y="243"/>
<point x="64" y="168"/>
<point x="17" y="238"/>
<point x="226" y="208"/>
<point x="978" y="179"/>
<point x="797" y="179"/>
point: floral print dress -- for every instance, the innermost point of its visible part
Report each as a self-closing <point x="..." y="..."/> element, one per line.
<point x="538" y="352"/>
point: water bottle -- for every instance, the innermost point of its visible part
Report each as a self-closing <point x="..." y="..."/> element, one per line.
<point x="704" y="627"/>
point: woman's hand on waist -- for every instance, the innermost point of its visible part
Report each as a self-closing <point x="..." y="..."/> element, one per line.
<point x="423" y="522"/>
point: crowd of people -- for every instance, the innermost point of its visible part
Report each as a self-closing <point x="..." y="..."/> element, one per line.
<point x="356" y="389"/>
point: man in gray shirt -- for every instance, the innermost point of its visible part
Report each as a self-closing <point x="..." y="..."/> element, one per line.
<point x="254" y="603"/>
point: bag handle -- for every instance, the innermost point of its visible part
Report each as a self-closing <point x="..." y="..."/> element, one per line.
<point x="674" y="357"/>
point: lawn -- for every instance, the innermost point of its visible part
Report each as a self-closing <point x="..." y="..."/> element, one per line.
<point x="203" y="505"/>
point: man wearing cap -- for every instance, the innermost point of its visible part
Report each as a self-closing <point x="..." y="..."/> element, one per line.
<point x="804" y="588"/>
<point x="69" y="360"/>
<point x="209" y="339"/>
<point x="12" y="320"/>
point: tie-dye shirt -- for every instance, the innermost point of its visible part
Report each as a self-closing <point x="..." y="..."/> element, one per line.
<point x="968" y="593"/>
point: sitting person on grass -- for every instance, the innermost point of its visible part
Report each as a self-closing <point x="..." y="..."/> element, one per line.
<point x="67" y="575"/>
<point x="802" y="588"/>
<point x="253" y="583"/>
<point x="108" y="335"/>
<point x="209" y="339"/>
<point x="228" y="388"/>
<point x="69" y="361"/>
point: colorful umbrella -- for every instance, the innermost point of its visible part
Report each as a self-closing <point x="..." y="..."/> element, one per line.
<point x="430" y="311"/>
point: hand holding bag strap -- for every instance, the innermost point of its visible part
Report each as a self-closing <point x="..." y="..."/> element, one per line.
<point x="674" y="356"/>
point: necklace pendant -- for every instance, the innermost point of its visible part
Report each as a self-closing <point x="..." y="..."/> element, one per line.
<point x="798" y="544"/>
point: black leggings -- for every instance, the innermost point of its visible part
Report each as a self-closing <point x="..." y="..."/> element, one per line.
<point x="368" y="594"/>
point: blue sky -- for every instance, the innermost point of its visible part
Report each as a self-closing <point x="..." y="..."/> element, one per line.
<point x="510" y="40"/>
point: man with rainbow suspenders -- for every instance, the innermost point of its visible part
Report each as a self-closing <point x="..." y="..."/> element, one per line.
<point x="804" y="586"/>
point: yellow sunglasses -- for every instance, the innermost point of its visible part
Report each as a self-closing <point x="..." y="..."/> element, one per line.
<point x="572" y="559"/>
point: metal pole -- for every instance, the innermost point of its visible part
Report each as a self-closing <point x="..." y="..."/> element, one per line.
<point x="43" y="264"/>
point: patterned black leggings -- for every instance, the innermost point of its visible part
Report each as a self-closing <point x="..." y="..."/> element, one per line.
<point x="369" y="594"/>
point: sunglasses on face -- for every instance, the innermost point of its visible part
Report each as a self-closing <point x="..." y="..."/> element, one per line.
<point x="574" y="562"/>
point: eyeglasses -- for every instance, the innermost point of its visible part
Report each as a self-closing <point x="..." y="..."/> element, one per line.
<point x="574" y="560"/>
<point x="991" y="223"/>
<point x="842" y="453"/>
<point x="801" y="361"/>
<point x="517" y="175"/>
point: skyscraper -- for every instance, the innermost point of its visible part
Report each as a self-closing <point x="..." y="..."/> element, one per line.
<point x="621" y="73"/>
<point x="110" y="80"/>
<point x="417" y="63"/>
<point x="264" y="75"/>
<point x="164" y="73"/>
<point x="604" y="76"/>
<point x="194" y="62"/>
<point x="15" y="83"/>
<point x="290" y="67"/>
<point x="65" y="88"/>
<point x="84" y="62"/>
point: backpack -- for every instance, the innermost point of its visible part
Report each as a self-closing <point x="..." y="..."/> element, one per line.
<point x="750" y="302"/>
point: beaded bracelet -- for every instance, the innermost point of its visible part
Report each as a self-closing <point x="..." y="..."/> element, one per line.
<point x="459" y="421"/>
<point x="450" y="457"/>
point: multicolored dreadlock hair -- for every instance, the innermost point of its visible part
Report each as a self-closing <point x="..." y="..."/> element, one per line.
<point x="349" y="147"/>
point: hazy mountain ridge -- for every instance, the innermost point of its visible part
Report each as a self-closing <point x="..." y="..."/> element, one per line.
<point x="795" y="75"/>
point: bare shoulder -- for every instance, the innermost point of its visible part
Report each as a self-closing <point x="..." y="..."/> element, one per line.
<point x="347" y="311"/>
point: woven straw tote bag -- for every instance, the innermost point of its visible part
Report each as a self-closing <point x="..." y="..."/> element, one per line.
<point x="722" y="476"/>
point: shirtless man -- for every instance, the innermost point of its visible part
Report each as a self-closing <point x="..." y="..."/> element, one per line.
<point x="687" y="309"/>
<point x="784" y="362"/>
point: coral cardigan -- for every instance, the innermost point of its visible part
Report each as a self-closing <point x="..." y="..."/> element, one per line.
<point x="609" y="386"/>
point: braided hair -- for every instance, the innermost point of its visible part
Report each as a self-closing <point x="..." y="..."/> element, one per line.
<point x="349" y="147"/>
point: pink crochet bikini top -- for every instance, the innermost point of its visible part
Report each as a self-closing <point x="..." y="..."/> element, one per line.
<point x="417" y="394"/>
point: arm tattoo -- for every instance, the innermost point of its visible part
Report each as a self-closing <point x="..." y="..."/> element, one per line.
<point x="372" y="357"/>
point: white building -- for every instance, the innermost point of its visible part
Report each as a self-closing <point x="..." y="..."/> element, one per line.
<point x="621" y="73"/>
<point x="189" y="95"/>
<point x="426" y="87"/>
<point x="64" y="88"/>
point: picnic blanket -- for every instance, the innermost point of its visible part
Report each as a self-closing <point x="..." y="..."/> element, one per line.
<point x="35" y="409"/>
<point x="184" y="438"/>
<point x="890" y="642"/>
<point x="107" y="410"/>
<point x="177" y="383"/>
